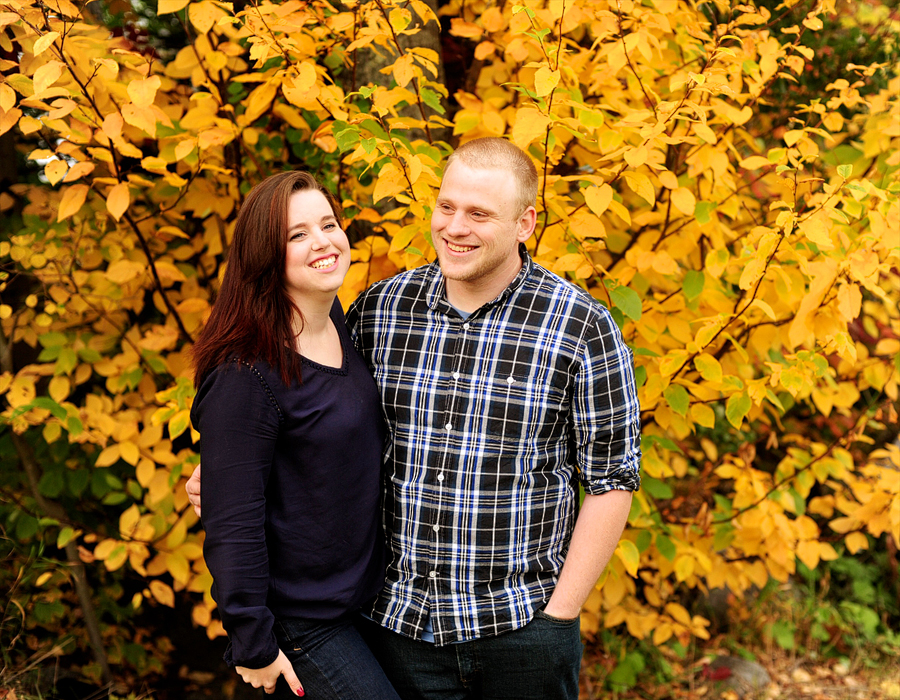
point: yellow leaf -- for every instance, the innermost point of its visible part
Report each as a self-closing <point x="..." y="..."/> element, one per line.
<point x="403" y="70"/>
<point x="105" y="548"/>
<point x="703" y="415"/>
<point x="856" y="541"/>
<point x="400" y="18"/>
<point x="176" y="535"/>
<point x="668" y="179"/>
<point x="128" y="521"/>
<point x="59" y="388"/>
<point x="705" y="133"/>
<point x="791" y="137"/>
<point x="709" y="367"/>
<point x="163" y="593"/>
<point x="684" y="566"/>
<point x="7" y="97"/>
<point x="258" y="102"/>
<point x="755" y="163"/>
<point x="203" y="15"/>
<point x="55" y="170"/>
<point x="44" y="42"/>
<point x="46" y="75"/>
<point x="545" y="80"/>
<point x="124" y="270"/>
<point x="129" y="452"/>
<point x="166" y="6"/>
<point x="684" y="200"/>
<point x="640" y="184"/>
<point x="636" y="157"/>
<point x="629" y="555"/>
<point x="143" y="92"/>
<point x="118" y="200"/>
<point x="178" y="566"/>
<point x="598" y="198"/>
<point x="530" y="125"/>
<point x="179" y="423"/>
<point x="9" y="119"/>
<point x="808" y="553"/>
<point x="108" y="457"/>
<point x="72" y="201"/>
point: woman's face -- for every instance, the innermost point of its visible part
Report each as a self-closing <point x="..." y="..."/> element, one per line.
<point x="318" y="252"/>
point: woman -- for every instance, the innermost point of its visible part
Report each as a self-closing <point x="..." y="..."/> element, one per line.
<point x="291" y="439"/>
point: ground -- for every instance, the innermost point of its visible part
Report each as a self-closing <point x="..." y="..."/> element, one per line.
<point x="793" y="678"/>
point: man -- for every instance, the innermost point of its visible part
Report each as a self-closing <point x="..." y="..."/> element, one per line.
<point x="503" y="385"/>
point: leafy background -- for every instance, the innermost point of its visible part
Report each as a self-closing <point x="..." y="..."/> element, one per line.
<point x="723" y="177"/>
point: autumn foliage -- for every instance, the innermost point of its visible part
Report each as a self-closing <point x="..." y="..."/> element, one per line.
<point x="750" y="258"/>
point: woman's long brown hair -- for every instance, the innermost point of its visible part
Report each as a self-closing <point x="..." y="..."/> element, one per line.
<point x="252" y="316"/>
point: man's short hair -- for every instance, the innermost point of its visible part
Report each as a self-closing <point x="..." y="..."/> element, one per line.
<point x="494" y="153"/>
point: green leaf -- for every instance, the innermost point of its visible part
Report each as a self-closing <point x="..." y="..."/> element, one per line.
<point x="648" y="441"/>
<point x="78" y="480"/>
<point x="678" y="398"/>
<point x="643" y="541"/>
<point x="347" y="136"/>
<point x="783" y="634"/>
<point x="665" y="547"/>
<point x="628" y="301"/>
<point x="52" y="483"/>
<point x="52" y="340"/>
<point x="703" y="211"/>
<point x="724" y="537"/>
<point x="640" y="376"/>
<point x="656" y="488"/>
<point x="845" y="171"/>
<point x="66" y="535"/>
<point x="693" y="284"/>
<point x="66" y="361"/>
<point x="433" y="100"/>
<point x="736" y="408"/>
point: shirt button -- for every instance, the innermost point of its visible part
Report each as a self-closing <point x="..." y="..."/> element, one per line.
<point x="435" y="527"/>
<point x="440" y="477"/>
<point x="449" y="426"/>
<point x="456" y="375"/>
<point x="466" y="325"/>
<point x="510" y="380"/>
<point x="432" y="574"/>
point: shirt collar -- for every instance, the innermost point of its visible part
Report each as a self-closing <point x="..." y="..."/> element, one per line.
<point x="437" y="283"/>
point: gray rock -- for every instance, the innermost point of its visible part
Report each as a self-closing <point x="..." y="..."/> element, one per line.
<point x="747" y="678"/>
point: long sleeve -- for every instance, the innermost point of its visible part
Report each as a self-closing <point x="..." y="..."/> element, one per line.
<point x="238" y="420"/>
<point x="606" y="413"/>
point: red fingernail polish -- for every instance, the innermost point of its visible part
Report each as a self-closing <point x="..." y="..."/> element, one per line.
<point x="300" y="692"/>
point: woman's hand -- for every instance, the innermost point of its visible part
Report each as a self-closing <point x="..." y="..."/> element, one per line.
<point x="266" y="678"/>
<point x="193" y="490"/>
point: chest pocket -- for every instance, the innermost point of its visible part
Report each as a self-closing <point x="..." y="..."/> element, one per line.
<point x="517" y="407"/>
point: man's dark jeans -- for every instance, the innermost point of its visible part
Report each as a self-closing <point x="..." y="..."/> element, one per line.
<point x="537" y="662"/>
<point x="331" y="660"/>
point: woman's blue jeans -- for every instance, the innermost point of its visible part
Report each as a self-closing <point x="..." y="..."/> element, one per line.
<point x="537" y="662"/>
<point x="331" y="660"/>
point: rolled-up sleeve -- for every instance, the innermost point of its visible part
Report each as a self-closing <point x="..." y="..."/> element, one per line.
<point x="605" y="414"/>
<point x="238" y="422"/>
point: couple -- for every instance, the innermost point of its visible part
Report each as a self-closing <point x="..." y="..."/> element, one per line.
<point x="501" y="387"/>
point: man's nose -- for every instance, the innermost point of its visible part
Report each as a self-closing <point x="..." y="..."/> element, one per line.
<point x="458" y="225"/>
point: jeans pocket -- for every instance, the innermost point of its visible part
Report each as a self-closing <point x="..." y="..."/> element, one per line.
<point x="556" y="620"/>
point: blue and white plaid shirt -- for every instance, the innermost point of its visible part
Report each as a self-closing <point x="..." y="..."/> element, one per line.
<point x="490" y="421"/>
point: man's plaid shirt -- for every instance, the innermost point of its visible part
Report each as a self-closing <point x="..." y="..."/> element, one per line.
<point x="490" y="421"/>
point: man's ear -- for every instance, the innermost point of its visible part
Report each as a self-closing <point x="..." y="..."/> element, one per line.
<point x="527" y="222"/>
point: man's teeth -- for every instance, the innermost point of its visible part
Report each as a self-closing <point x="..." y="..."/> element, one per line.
<point x="324" y="262"/>
<point x="460" y="248"/>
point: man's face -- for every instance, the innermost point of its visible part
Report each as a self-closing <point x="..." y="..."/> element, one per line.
<point x="476" y="229"/>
